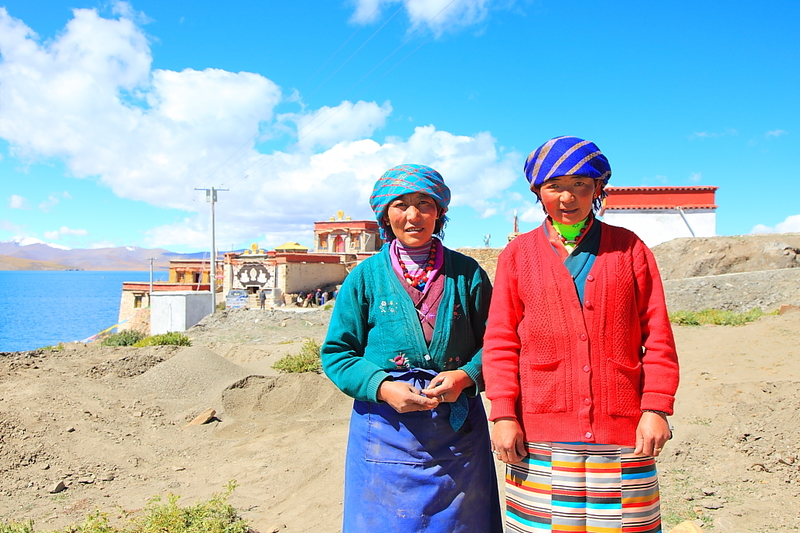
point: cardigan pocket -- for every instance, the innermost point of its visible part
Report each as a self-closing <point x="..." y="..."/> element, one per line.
<point x="543" y="387"/>
<point x="625" y="396"/>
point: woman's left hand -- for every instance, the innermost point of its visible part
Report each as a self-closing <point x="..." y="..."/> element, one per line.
<point x="447" y="386"/>
<point x="651" y="434"/>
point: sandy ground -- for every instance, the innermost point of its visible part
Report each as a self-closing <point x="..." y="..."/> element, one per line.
<point x="110" y="424"/>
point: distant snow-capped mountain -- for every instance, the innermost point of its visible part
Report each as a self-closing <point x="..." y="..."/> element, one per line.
<point x="27" y="241"/>
<point x="117" y="258"/>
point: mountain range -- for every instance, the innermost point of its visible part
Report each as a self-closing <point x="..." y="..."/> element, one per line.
<point x="33" y="254"/>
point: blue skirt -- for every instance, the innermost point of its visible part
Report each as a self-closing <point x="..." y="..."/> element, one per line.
<point x="412" y="472"/>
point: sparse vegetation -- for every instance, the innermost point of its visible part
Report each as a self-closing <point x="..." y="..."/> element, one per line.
<point x="307" y="360"/>
<point x="715" y="317"/>
<point x="57" y="348"/>
<point x="17" y="527"/>
<point x="172" y="338"/>
<point x="213" y="516"/>
<point x="127" y="337"/>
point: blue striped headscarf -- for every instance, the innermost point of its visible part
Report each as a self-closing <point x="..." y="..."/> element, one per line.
<point x="404" y="179"/>
<point x="566" y="156"/>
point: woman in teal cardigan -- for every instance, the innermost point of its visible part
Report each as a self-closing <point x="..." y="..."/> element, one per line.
<point x="405" y="342"/>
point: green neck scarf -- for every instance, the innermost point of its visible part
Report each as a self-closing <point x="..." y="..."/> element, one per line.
<point x="570" y="231"/>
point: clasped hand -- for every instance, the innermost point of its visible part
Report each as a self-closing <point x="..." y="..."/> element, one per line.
<point x="404" y="398"/>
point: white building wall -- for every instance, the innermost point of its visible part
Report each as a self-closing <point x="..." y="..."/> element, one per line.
<point x="655" y="226"/>
<point x="177" y="310"/>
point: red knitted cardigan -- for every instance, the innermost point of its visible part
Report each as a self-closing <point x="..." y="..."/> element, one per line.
<point x="579" y="373"/>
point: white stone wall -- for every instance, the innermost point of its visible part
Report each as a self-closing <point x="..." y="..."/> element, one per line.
<point x="655" y="226"/>
<point x="296" y="277"/>
<point x="178" y="310"/>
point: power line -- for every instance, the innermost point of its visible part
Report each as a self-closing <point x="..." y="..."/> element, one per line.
<point x="357" y="51"/>
<point x="253" y="137"/>
<point x="377" y="8"/>
<point x="301" y="134"/>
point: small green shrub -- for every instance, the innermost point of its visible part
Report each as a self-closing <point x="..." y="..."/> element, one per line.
<point x="716" y="317"/>
<point x="172" y="338"/>
<point x="57" y="348"/>
<point x="127" y="337"/>
<point x="307" y="360"/>
<point x="684" y="318"/>
<point x="213" y="516"/>
<point x="17" y="527"/>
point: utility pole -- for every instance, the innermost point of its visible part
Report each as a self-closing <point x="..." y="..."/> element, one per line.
<point x="150" y="294"/>
<point x="211" y="197"/>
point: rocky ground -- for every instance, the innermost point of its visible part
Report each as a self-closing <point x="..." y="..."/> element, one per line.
<point x="97" y="427"/>
<point x="733" y="273"/>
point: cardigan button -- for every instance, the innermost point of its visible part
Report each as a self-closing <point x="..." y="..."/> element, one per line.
<point x="589" y="278"/>
<point x="586" y="368"/>
<point x="583" y="336"/>
<point x="587" y="401"/>
<point x="587" y="304"/>
<point x="588" y="434"/>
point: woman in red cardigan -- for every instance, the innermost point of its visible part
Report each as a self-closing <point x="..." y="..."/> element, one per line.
<point x="579" y="359"/>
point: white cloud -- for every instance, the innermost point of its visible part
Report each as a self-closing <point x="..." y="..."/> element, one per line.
<point x="49" y="204"/>
<point x="438" y="15"/>
<point x="90" y="98"/>
<point x="533" y="214"/>
<point x="695" y="177"/>
<point x="285" y="196"/>
<point x="14" y="229"/>
<point x="775" y="133"/>
<point x="346" y="122"/>
<point x="657" y="181"/>
<point x="17" y="202"/>
<point x="366" y="9"/>
<point x="53" y="200"/>
<point x="62" y="231"/>
<point x="712" y="134"/>
<point x="441" y="14"/>
<point x="67" y="231"/>
<point x="790" y="225"/>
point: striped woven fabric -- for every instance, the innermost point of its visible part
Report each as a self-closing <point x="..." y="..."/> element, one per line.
<point x="582" y="488"/>
<point x="566" y="156"/>
<point x="404" y="179"/>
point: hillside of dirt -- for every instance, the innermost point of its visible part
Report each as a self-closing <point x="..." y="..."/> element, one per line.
<point x="712" y="256"/>
<point x="92" y="427"/>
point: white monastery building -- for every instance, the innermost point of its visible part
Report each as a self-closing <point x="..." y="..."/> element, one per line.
<point x="659" y="214"/>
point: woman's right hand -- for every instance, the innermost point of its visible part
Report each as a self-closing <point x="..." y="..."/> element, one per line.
<point x="508" y="441"/>
<point x="404" y="398"/>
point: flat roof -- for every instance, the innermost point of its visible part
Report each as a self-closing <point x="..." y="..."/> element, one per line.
<point x="695" y="197"/>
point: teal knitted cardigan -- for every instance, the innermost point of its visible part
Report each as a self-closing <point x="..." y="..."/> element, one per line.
<point x="374" y="321"/>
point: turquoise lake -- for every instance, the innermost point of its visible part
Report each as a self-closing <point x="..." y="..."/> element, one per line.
<point x="43" y="308"/>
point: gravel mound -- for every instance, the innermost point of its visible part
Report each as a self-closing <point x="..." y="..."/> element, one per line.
<point x="305" y="396"/>
<point x="194" y="373"/>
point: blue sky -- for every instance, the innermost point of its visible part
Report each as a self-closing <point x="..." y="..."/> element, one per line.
<point x="112" y="113"/>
